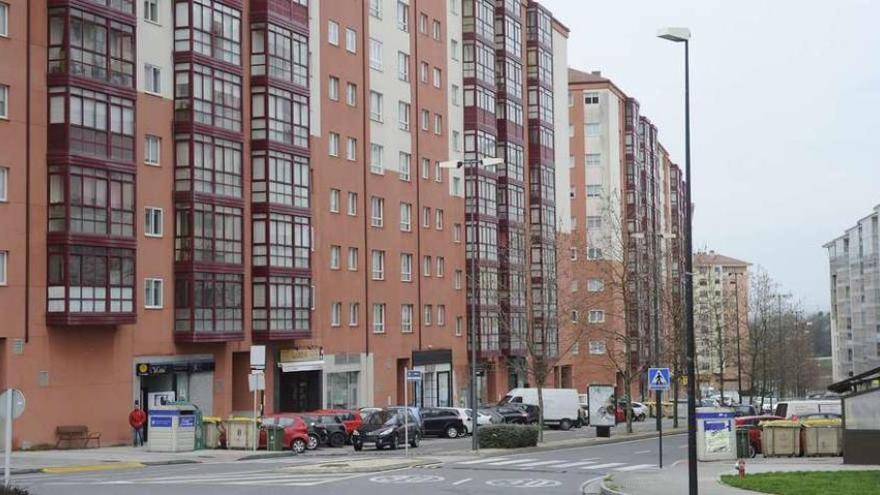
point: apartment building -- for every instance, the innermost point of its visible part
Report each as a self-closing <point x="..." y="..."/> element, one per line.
<point x="721" y="305"/>
<point x="854" y="265"/>
<point x="514" y="55"/>
<point x="197" y="176"/>
<point x="622" y="272"/>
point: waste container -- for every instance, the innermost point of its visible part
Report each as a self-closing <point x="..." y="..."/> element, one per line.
<point x="274" y="437"/>
<point x="241" y="433"/>
<point x="743" y="442"/>
<point x="172" y="428"/>
<point x="781" y="438"/>
<point x="822" y="437"/>
<point x="212" y="427"/>
<point x="716" y="438"/>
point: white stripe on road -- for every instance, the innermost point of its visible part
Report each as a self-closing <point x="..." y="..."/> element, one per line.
<point x="604" y="466"/>
<point x="461" y="482"/>
<point x="573" y="464"/>
<point x="508" y="463"/>
<point x="636" y="467"/>
<point x="480" y="461"/>
<point x="542" y="463"/>
<point x="643" y="452"/>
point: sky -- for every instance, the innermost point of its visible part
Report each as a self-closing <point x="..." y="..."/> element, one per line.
<point x="785" y="116"/>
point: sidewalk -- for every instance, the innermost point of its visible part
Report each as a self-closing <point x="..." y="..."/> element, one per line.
<point x="674" y="480"/>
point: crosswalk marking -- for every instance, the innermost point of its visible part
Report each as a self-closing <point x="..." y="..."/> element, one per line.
<point x="508" y="463"/>
<point x="604" y="466"/>
<point x="481" y="461"/>
<point x="264" y="478"/>
<point x="574" y="464"/>
<point x="541" y="463"/>
<point x="636" y="467"/>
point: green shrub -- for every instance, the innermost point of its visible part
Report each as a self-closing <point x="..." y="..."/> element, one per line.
<point x="13" y="490"/>
<point x="507" y="436"/>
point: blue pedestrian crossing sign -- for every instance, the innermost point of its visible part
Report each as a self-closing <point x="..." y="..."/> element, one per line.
<point x="658" y="378"/>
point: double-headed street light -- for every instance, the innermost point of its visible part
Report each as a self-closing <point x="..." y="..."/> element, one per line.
<point x="472" y="291"/>
<point x="683" y="35"/>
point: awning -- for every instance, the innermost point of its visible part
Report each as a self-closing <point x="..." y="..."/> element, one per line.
<point x="290" y="367"/>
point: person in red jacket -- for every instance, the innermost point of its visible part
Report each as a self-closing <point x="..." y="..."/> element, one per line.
<point x="137" y="418"/>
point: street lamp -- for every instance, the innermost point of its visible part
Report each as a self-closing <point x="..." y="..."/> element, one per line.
<point x="739" y="376"/>
<point x="683" y="35"/>
<point x="472" y="323"/>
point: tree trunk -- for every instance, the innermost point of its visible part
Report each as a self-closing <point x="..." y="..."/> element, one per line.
<point x="675" y="402"/>
<point x="541" y="411"/>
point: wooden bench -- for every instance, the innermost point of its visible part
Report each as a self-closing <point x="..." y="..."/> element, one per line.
<point x="76" y="433"/>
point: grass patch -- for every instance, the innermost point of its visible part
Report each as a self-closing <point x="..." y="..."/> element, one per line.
<point x="809" y="482"/>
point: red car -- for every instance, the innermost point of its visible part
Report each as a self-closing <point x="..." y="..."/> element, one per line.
<point x="754" y="430"/>
<point x="296" y="432"/>
<point x="351" y="419"/>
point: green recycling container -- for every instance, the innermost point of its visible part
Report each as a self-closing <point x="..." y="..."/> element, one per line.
<point x="743" y="445"/>
<point x="274" y="437"/>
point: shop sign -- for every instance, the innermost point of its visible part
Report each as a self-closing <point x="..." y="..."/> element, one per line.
<point x="294" y="355"/>
<point x="160" y="421"/>
<point x="148" y="369"/>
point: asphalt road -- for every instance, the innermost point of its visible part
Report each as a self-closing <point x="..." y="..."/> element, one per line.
<point x="552" y="472"/>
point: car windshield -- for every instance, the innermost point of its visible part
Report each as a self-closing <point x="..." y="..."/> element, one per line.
<point x="381" y="418"/>
<point x="506" y="400"/>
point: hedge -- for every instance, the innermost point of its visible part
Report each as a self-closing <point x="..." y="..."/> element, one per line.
<point x="506" y="436"/>
<point x="12" y="490"/>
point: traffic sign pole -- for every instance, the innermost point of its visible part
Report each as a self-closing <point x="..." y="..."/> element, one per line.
<point x="7" y="455"/>
<point x="658" y="381"/>
<point x="405" y="414"/>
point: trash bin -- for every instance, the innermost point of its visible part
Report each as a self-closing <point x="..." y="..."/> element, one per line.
<point x="822" y="437"/>
<point x="274" y="437"/>
<point x="212" y="428"/>
<point x="716" y="439"/>
<point x="241" y="433"/>
<point x="781" y="438"/>
<point x="172" y="428"/>
<point x="743" y="443"/>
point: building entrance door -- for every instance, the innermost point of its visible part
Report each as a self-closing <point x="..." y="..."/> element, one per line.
<point x="300" y="391"/>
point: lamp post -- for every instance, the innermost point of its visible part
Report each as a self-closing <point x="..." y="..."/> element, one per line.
<point x="472" y="320"/>
<point x="739" y="376"/>
<point x="683" y="35"/>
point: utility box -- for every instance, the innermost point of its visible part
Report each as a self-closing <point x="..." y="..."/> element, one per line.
<point x="781" y="439"/>
<point x="212" y="429"/>
<point x="172" y="428"/>
<point x="241" y="433"/>
<point x="716" y="434"/>
<point x="822" y="439"/>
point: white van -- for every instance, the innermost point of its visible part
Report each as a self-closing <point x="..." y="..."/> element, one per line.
<point x="796" y="408"/>
<point x="561" y="405"/>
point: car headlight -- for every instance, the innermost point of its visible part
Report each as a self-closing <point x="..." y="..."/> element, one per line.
<point x="386" y="431"/>
<point x="355" y="433"/>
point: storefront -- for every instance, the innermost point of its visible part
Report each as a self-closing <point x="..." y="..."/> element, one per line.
<point x="437" y="385"/>
<point x="348" y="379"/>
<point x="299" y="383"/>
<point x="163" y="379"/>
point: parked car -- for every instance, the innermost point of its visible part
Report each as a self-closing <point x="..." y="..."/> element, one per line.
<point x="561" y="405"/>
<point x="791" y="408"/>
<point x="296" y="432"/>
<point x="333" y="430"/>
<point x="640" y="411"/>
<point x="826" y="415"/>
<point x="415" y="411"/>
<point x="351" y="419"/>
<point x="533" y="412"/>
<point x="442" y="422"/>
<point x="387" y="427"/>
<point x="511" y="414"/>
<point x="366" y="411"/>
<point x="753" y="423"/>
<point x="494" y="416"/>
<point x="744" y="410"/>
<point x="465" y="415"/>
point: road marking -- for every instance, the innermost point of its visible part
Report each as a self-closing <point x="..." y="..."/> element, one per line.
<point x="636" y="467"/>
<point x="573" y="464"/>
<point x="508" y="463"/>
<point x="461" y="482"/>
<point x="92" y="467"/>
<point x="400" y="479"/>
<point x="643" y="452"/>
<point x="604" y="466"/>
<point x="480" y="461"/>
<point x="541" y="463"/>
<point x="524" y="483"/>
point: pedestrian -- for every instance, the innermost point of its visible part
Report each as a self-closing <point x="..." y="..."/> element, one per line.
<point x="137" y="419"/>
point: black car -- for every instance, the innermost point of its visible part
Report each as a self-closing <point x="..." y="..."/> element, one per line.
<point x="441" y="422"/>
<point x="333" y="434"/>
<point x="744" y="410"/>
<point x="511" y="414"/>
<point x="386" y="427"/>
<point x="533" y="412"/>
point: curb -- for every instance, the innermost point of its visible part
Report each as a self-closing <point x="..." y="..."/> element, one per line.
<point x="590" y="442"/>
<point x="605" y="490"/>
<point x="275" y="455"/>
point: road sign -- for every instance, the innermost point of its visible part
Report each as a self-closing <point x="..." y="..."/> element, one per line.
<point x="658" y="378"/>
<point x="256" y="381"/>
<point x="258" y="357"/>
<point x="18" y="403"/>
<point x="413" y="376"/>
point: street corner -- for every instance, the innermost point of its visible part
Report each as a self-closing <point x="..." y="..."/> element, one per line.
<point x="352" y="466"/>
<point x="85" y="468"/>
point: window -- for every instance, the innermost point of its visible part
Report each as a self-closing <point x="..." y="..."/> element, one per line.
<point x="570" y="131"/>
<point x="595" y="285"/>
<point x="456" y="280"/>
<point x="334" y="200"/>
<point x="151" y="12"/>
<point x="353" y="313"/>
<point x="404" y="165"/>
<point x="335" y="314"/>
<point x="403" y="110"/>
<point x="426" y="168"/>
<point x="333" y="88"/>
<point x="376" y="54"/>
<point x="456" y="186"/>
<point x="405" y="217"/>
<point x="426" y="217"/>
<point x="573" y="253"/>
<point x="153" y="293"/>
<point x="153" y="222"/>
<point x="280" y="115"/>
<point x="597" y="347"/>
<point x="456" y="98"/>
<point x="352" y="208"/>
<point x="435" y="30"/>
<point x="456" y="232"/>
<point x="282" y="303"/>
<point x="377" y="157"/>
<point x="152" y="149"/>
<point x="4" y="19"/>
<point x="597" y="316"/>
<point x="594" y="190"/>
<point x="100" y="280"/>
<point x="423" y="23"/>
<point x="437" y="76"/>
<point x="351" y="94"/>
<point x="351" y="40"/>
<point x="3" y="257"/>
<point x="378" y="318"/>
<point x="459" y="325"/>
<point x="333" y="144"/>
<point x="406" y="318"/>
<point x="594" y="222"/>
<point x="438" y="124"/>
<point x="281" y="240"/>
<point x="441" y="315"/>
<point x="593" y="159"/>
<point x="441" y="266"/>
<point x="4" y="184"/>
<point x="423" y="72"/>
<point x="377" y="211"/>
<point x="402" y="16"/>
<point x="351" y="149"/>
<point x="593" y="129"/>
<point x="594" y="253"/>
<point x="152" y="79"/>
<point x="428" y="314"/>
<point x="574" y="316"/>
<point x="376" y="8"/>
<point x="352" y="259"/>
<point x="378" y="265"/>
<point x="376" y="106"/>
<point x="456" y="141"/>
<point x="333" y="33"/>
<point x="96" y="201"/>
<point x="403" y="66"/>
<point x="4" y="101"/>
<point x="591" y="98"/>
<point x="426" y="121"/>
<point x="279" y="53"/>
<point x="438" y="219"/>
<point x="335" y="257"/>
<point x="453" y="49"/>
<point x="406" y="267"/>
<point x="426" y="266"/>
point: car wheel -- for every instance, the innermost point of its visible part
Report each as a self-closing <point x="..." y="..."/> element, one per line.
<point x="452" y="432"/>
<point x="337" y="439"/>
<point x="393" y="444"/>
<point x="298" y="445"/>
<point x="565" y="424"/>
<point x="313" y="442"/>
<point x="358" y="447"/>
<point x="415" y="441"/>
<point x="641" y="417"/>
